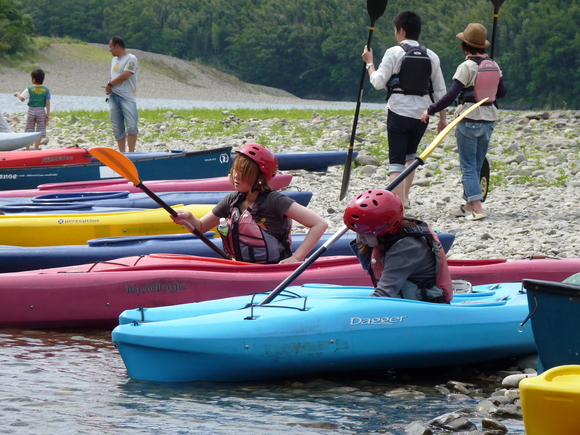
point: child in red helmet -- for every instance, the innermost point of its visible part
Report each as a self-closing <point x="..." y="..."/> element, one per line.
<point x="403" y="256"/>
<point x="259" y="219"/>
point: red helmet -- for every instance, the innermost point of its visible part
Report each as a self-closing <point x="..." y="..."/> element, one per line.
<point x="374" y="212"/>
<point x="265" y="158"/>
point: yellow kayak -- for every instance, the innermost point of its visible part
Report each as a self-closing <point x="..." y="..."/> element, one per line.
<point x="76" y="229"/>
<point x="550" y="401"/>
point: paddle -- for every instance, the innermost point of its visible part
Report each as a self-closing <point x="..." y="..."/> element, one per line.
<point x="375" y="8"/>
<point x="496" y="5"/>
<point x="418" y="161"/>
<point x="123" y="166"/>
<point x="484" y="174"/>
<point x="484" y="179"/>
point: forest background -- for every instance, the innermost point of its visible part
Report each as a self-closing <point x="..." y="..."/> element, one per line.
<point x="312" y="48"/>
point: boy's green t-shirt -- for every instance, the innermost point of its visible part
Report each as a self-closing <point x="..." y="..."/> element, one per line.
<point x="37" y="96"/>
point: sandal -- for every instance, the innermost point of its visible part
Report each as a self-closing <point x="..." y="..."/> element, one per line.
<point x="476" y="216"/>
<point x="461" y="212"/>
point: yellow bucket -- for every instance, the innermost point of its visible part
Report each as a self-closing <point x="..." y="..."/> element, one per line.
<point x="551" y="402"/>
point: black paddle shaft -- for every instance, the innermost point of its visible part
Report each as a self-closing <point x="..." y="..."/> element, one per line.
<point x="173" y="213"/>
<point x="496" y="5"/>
<point x="375" y="8"/>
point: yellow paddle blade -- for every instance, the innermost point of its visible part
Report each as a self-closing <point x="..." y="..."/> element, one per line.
<point x="118" y="162"/>
<point x="447" y="129"/>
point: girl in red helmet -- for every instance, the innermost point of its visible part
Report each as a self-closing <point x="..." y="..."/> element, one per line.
<point x="403" y="256"/>
<point x="259" y="218"/>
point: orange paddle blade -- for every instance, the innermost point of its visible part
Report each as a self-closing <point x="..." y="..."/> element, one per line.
<point x="118" y="162"/>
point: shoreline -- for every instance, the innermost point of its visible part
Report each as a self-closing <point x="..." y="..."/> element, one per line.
<point x="534" y="158"/>
<point x="77" y="71"/>
<point x="10" y="105"/>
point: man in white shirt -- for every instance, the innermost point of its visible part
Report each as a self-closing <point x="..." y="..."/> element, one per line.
<point x="404" y="126"/>
<point x="122" y="91"/>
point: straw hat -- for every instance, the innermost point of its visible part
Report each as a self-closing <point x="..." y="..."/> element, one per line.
<point x="475" y="35"/>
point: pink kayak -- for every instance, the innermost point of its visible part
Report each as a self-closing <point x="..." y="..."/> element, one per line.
<point x="93" y="295"/>
<point x="61" y="156"/>
<point x="120" y="184"/>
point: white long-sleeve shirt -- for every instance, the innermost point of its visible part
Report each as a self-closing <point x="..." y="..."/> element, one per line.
<point x="411" y="106"/>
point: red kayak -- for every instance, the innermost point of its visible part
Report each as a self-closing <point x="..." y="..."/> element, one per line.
<point x="60" y="156"/>
<point x="93" y="295"/>
<point x="120" y="184"/>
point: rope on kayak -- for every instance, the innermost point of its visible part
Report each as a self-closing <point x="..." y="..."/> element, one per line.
<point x="252" y="305"/>
<point x="521" y="327"/>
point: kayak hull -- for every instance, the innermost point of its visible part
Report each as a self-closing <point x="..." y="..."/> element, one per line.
<point x="555" y="318"/>
<point x="121" y="184"/>
<point x="336" y="329"/>
<point x="94" y="295"/>
<point x="192" y="164"/>
<point x="94" y="200"/>
<point x="20" y="258"/>
<point x="14" y="141"/>
<point x="51" y="157"/>
<point x="76" y="229"/>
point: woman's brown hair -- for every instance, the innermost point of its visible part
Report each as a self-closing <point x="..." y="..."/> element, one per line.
<point x="249" y="171"/>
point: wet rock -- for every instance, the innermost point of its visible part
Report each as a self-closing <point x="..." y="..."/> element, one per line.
<point x="418" y="428"/>
<point x="513" y="381"/>
<point x="454" y="422"/>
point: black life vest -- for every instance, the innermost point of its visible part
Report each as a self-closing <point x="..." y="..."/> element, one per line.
<point x="372" y="261"/>
<point x="486" y="82"/>
<point x="414" y="77"/>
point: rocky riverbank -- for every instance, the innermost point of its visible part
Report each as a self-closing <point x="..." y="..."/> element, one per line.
<point x="535" y="176"/>
<point x="532" y="207"/>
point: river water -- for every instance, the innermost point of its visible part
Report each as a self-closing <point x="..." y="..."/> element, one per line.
<point x="11" y="104"/>
<point x="65" y="382"/>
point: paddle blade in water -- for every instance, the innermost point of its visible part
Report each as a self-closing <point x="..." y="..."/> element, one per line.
<point x="118" y="162"/>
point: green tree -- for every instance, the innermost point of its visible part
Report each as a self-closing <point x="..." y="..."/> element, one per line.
<point x="15" y="28"/>
<point x="312" y="49"/>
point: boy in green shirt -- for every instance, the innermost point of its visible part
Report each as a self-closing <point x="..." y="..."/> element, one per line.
<point x="38" y="99"/>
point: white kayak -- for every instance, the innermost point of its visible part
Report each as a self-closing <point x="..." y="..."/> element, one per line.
<point x="14" y="141"/>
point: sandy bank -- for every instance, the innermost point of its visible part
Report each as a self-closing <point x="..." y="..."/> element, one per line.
<point x="83" y="70"/>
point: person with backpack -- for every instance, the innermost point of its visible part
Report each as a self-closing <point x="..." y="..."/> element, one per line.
<point x="475" y="78"/>
<point x="411" y="73"/>
<point x="403" y="256"/>
<point x="258" y="219"/>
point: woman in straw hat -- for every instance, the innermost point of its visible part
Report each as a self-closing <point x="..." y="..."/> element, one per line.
<point x="474" y="132"/>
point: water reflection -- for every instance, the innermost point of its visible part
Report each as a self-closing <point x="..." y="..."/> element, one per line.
<point x="75" y="382"/>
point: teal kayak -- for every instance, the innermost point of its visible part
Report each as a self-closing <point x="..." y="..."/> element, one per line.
<point x="319" y="328"/>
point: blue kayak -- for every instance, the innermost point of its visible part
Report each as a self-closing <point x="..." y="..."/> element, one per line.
<point x="318" y="328"/>
<point x="186" y="165"/>
<point x="91" y="201"/>
<point x="20" y="258"/>
<point x="555" y="319"/>
<point x="314" y="161"/>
